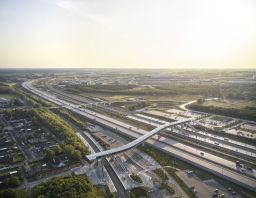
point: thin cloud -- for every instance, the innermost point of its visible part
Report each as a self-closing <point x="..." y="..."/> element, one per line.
<point x="79" y="8"/>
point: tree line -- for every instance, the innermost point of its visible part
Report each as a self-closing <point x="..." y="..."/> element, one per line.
<point x="71" y="142"/>
<point x="245" y="113"/>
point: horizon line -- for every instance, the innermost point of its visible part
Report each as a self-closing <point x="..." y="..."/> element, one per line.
<point x="137" y="68"/>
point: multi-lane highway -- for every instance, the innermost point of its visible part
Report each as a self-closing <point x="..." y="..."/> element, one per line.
<point x="86" y="101"/>
<point x="213" y="140"/>
<point x="121" y="192"/>
<point x="248" y="147"/>
<point x="136" y="142"/>
<point x="176" y="149"/>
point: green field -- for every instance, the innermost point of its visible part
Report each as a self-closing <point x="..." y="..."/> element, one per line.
<point x="7" y="96"/>
<point x="237" y="104"/>
<point x="234" y="108"/>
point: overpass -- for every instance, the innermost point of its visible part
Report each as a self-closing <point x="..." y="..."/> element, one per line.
<point x="210" y="163"/>
<point x="136" y="142"/>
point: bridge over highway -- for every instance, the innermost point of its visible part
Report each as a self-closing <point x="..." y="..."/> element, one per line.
<point x="136" y="142"/>
<point x="216" y="165"/>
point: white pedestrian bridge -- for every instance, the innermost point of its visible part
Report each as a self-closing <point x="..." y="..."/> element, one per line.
<point x="136" y="142"/>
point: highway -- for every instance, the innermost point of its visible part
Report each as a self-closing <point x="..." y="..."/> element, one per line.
<point x="167" y="145"/>
<point x="86" y="101"/>
<point x="225" y="141"/>
<point x="204" y="137"/>
<point x="136" y="142"/>
<point x="121" y="192"/>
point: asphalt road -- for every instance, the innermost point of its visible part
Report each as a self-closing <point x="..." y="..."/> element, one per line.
<point x="206" y="138"/>
<point x="23" y="148"/>
<point x="121" y="192"/>
<point x="163" y="144"/>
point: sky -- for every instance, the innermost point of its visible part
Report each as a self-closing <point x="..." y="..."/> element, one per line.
<point x="128" y="34"/>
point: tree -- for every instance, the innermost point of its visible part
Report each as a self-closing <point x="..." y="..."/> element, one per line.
<point x="57" y="149"/>
<point x="12" y="182"/>
<point x="111" y="195"/>
<point x="8" y="193"/>
<point x="61" y="129"/>
<point x="49" y="155"/>
<point x="13" y="193"/>
<point x="200" y="101"/>
<point x="62" y="187"/>
<point x="76" y="155"/>
<point x="69" y="149"/>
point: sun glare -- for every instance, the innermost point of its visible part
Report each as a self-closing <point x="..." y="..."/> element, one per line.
<point x="64" y="33"/>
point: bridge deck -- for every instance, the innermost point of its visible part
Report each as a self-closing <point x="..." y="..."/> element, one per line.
<point x="135" y="142"/>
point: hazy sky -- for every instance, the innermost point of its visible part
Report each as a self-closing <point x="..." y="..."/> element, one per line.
<point x="128" y="33"/>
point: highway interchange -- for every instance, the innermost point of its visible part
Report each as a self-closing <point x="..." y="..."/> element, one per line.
<point x="219" y="166"/>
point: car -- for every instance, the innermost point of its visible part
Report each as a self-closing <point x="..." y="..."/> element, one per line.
<point x="189" y="172"/>
<point x="238" y="164"/>
<point x="249" y="168"/>
<point x="242" y="170"/>
<point x="202" y="153"/>
<point x="194" y="190"/>
<point x="234" y="193"/>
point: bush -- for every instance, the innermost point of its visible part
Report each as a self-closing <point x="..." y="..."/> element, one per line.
<point x="57" y="149"/>
<point x="13" y="193"/>
<point x="161" y="174"/>
<point x="136" y="178"/>
<point x="139" y="105"/>
<point x="168" y="188"/>
<point x="161" y="158"/>
<point x="139" y="192"/>
<point x="50" y="154"/>
<point x="58" y="127"/>
<point x="61" y="130"/>
<point x="62" y="187"/>
<point x="12" y="182"/>
<point x="232" y="112"/>
<point x="81" y="124"/>
<point x="188" y="191"/>
<point x="31" y="99"/>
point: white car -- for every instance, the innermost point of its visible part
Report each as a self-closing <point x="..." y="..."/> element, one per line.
<point x="242" y="170"/>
